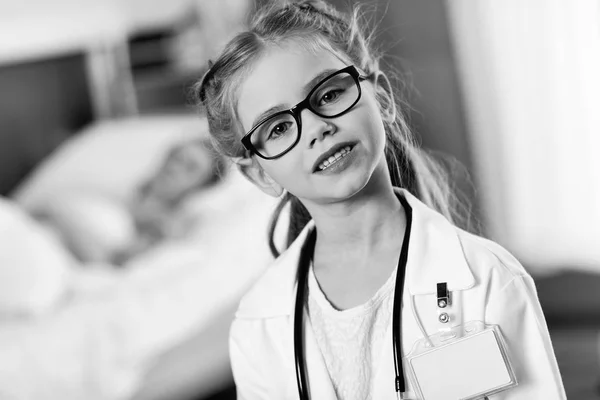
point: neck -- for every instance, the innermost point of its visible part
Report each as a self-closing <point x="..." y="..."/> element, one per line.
<point x="371" y="222"/>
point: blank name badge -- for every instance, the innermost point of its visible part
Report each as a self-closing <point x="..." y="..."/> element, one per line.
<point x="469" y="367"/>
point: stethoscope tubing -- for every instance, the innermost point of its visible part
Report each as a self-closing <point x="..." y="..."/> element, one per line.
<point x="304" y="263"/>
<point x="400" y="383"/>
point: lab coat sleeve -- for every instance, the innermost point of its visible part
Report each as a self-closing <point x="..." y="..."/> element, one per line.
<point x="245" y="357"/>
<point x="516" y="309"/>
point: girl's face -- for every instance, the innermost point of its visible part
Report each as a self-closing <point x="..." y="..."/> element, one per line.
<point x="356" y="140"/>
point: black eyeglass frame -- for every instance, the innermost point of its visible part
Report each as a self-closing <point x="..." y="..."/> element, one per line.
<point x="305" y="104"/>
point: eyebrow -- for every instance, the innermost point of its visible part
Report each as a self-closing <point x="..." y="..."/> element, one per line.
<point x="308" y="86"/>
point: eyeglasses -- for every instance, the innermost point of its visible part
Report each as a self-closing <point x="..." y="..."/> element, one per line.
<point x="277" y="134"/>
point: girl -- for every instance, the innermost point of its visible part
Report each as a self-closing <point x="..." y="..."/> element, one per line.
<point x="374" y="263"/>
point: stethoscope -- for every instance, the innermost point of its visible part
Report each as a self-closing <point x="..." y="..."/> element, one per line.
<point x="303" y="267"/>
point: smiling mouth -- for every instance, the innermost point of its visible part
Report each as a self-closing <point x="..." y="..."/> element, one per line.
<point x="337" y="156"/>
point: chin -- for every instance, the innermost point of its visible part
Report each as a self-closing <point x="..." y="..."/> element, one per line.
<point x="346" y="188"/>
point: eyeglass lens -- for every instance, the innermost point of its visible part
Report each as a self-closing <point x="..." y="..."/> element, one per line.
<point x="331" y="97"/>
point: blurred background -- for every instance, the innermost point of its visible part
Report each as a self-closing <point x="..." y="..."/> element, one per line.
<point x="117" y="219"/>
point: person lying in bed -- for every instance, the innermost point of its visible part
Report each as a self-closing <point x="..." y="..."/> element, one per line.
<point x="98" y="230"/>
<point x="188" y="167"/>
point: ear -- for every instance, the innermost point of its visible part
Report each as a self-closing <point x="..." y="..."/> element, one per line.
<point x="252" y="170"/>
<point x="383" y="86"/>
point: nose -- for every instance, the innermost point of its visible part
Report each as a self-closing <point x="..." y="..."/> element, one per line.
<point x="315" y="128"/>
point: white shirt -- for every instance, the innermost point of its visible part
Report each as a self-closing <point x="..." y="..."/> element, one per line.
<point x="351" y="340"/>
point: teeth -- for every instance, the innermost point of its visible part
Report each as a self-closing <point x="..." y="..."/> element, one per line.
<point x="335" y="157"/>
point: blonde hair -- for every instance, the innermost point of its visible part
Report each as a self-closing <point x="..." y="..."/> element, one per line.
<point x="317" y="25"/>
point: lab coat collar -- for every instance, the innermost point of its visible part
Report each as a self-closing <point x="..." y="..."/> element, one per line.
<point x="435" y="255"/>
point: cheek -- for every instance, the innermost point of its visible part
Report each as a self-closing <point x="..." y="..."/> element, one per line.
<point x="289" y="172"/>
<point x="373" y="124"/>
<point x="280" y="170"/>
<point x="370" y="107"/>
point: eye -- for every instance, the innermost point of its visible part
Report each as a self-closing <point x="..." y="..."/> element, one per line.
<point x="330" y="96"/>
<point x="279" y="130"/>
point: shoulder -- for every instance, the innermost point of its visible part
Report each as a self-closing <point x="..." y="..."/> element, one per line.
<point x="273" y="293"/>
<point x="486" y="257"/>
<point x="442" y="252"/>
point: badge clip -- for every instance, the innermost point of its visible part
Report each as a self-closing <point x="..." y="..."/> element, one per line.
<point x="443" y="301"/>
<point x="443" y="295"/>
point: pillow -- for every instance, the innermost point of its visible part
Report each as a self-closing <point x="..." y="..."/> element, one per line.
<point x="34" y="265"/>
<point x="109" y="158"/>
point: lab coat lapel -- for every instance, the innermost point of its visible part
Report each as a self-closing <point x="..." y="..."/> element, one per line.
<point x="435" y="253"/>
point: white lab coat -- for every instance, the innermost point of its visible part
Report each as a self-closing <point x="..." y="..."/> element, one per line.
<point x="486" y="284"/>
